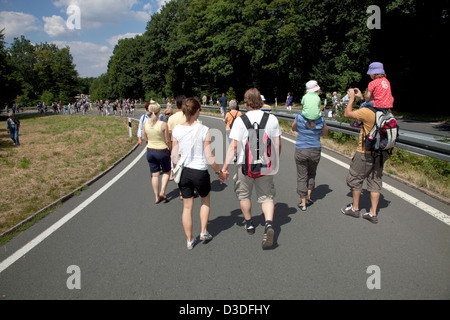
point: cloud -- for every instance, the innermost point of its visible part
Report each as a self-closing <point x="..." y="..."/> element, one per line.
<point x="17" y="23"/>
<point x="91" y="59"/>
<point x="55" y="26"/>
<point x="114" y="40"/>
<point x="98" y="12"/>
<point x="154" y="5"/>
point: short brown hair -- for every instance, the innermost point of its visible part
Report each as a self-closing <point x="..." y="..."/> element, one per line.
<point x="190" y="107"/>
<point x="252" y="98"/>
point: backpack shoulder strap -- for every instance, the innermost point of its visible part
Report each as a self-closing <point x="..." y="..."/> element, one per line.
<point x="264" y="120"/>
<point x="247" y="123"/>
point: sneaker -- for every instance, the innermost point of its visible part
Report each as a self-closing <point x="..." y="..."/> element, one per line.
<point x="348" y="211"/>
<point x="303" y="208"/>
<point x="206" y="237"/>
<point x="249" y="227"/>
<point x="371" y="218"/>
<point x="191" y="244"/>
<point x="268" y="238"/>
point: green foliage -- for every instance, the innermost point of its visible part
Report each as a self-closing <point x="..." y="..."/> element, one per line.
<point x="432" y="168"/>
<point x="195" y="46"/>
<point x="341" y="137"/>
<point x="37" y="72"/>
<point x="230" y="94"/>
<point x="47" y="97"/>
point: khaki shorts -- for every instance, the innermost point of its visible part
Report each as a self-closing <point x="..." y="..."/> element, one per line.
<point x="264" y="187"/>
<point x="363" y="167"/>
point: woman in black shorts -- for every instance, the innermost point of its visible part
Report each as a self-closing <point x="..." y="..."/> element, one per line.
<point x="195" y="174"/>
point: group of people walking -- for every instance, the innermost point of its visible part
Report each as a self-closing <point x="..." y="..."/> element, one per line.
<point x="184" y="139"/>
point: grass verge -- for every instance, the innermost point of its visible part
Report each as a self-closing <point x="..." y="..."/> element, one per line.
<point x="58" y="154"/>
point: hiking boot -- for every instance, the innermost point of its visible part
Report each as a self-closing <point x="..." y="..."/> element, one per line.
<point x="373" y="219"/>
<point x="349" y="211"/>
<point x="268" y="238"/>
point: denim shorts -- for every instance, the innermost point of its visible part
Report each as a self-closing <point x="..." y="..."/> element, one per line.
<point x="159" y="160"/>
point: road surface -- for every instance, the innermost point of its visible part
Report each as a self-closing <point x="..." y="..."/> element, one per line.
<point x="114" y="242"/>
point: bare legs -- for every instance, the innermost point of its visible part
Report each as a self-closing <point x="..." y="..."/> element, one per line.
<point x="188" y="205"/>
<point x="155" y="185"/>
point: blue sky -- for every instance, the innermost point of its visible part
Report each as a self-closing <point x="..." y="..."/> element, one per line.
<point x="101" y="24"/>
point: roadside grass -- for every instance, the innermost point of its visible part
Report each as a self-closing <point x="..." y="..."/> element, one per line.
<point x="58" y="154"/>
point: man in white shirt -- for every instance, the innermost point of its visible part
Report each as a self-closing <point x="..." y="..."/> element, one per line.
<point x="264" y="185"/>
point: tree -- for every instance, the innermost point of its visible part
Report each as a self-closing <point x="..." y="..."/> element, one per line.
<point x="197" y="46"/>
<point x="8" y="85"/>
<point x="125" y="69"/>
<point x="42" y="67"/>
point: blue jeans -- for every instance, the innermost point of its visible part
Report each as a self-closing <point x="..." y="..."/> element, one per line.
<point x="366" y="104"/>
<point x="14" y="133"/>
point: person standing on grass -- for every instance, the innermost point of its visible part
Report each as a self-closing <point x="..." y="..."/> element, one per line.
<point x="13" y="125"/>
<point x="195" y="175"/>
<point x="156" y="133"/>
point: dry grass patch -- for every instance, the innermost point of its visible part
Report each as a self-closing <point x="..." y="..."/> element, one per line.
<point x="57" y="155"/>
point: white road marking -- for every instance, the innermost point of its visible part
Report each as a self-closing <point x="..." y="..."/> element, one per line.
<point x="33" y="243"/>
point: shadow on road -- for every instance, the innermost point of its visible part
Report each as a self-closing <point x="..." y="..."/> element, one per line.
<point x="364" y="202"/>
<point x="223" y="223"/>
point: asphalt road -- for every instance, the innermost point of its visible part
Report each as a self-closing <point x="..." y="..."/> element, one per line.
<point x="124" y="246"/>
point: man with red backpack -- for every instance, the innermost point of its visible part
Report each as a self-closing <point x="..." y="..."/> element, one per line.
<point x="256" y="138"/>
<point x="368" y="161"/>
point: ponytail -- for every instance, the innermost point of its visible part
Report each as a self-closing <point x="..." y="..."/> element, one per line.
<point x="153" y="109"/>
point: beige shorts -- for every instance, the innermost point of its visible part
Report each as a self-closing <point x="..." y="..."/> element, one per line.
<point x="264" y="187"/>
<point x="363" y="167"/>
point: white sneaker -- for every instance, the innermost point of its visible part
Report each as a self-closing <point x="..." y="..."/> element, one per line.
<point x="191" y="244"/>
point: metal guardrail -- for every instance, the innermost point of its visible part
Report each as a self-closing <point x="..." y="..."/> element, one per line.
<point x="423" y="144"/>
